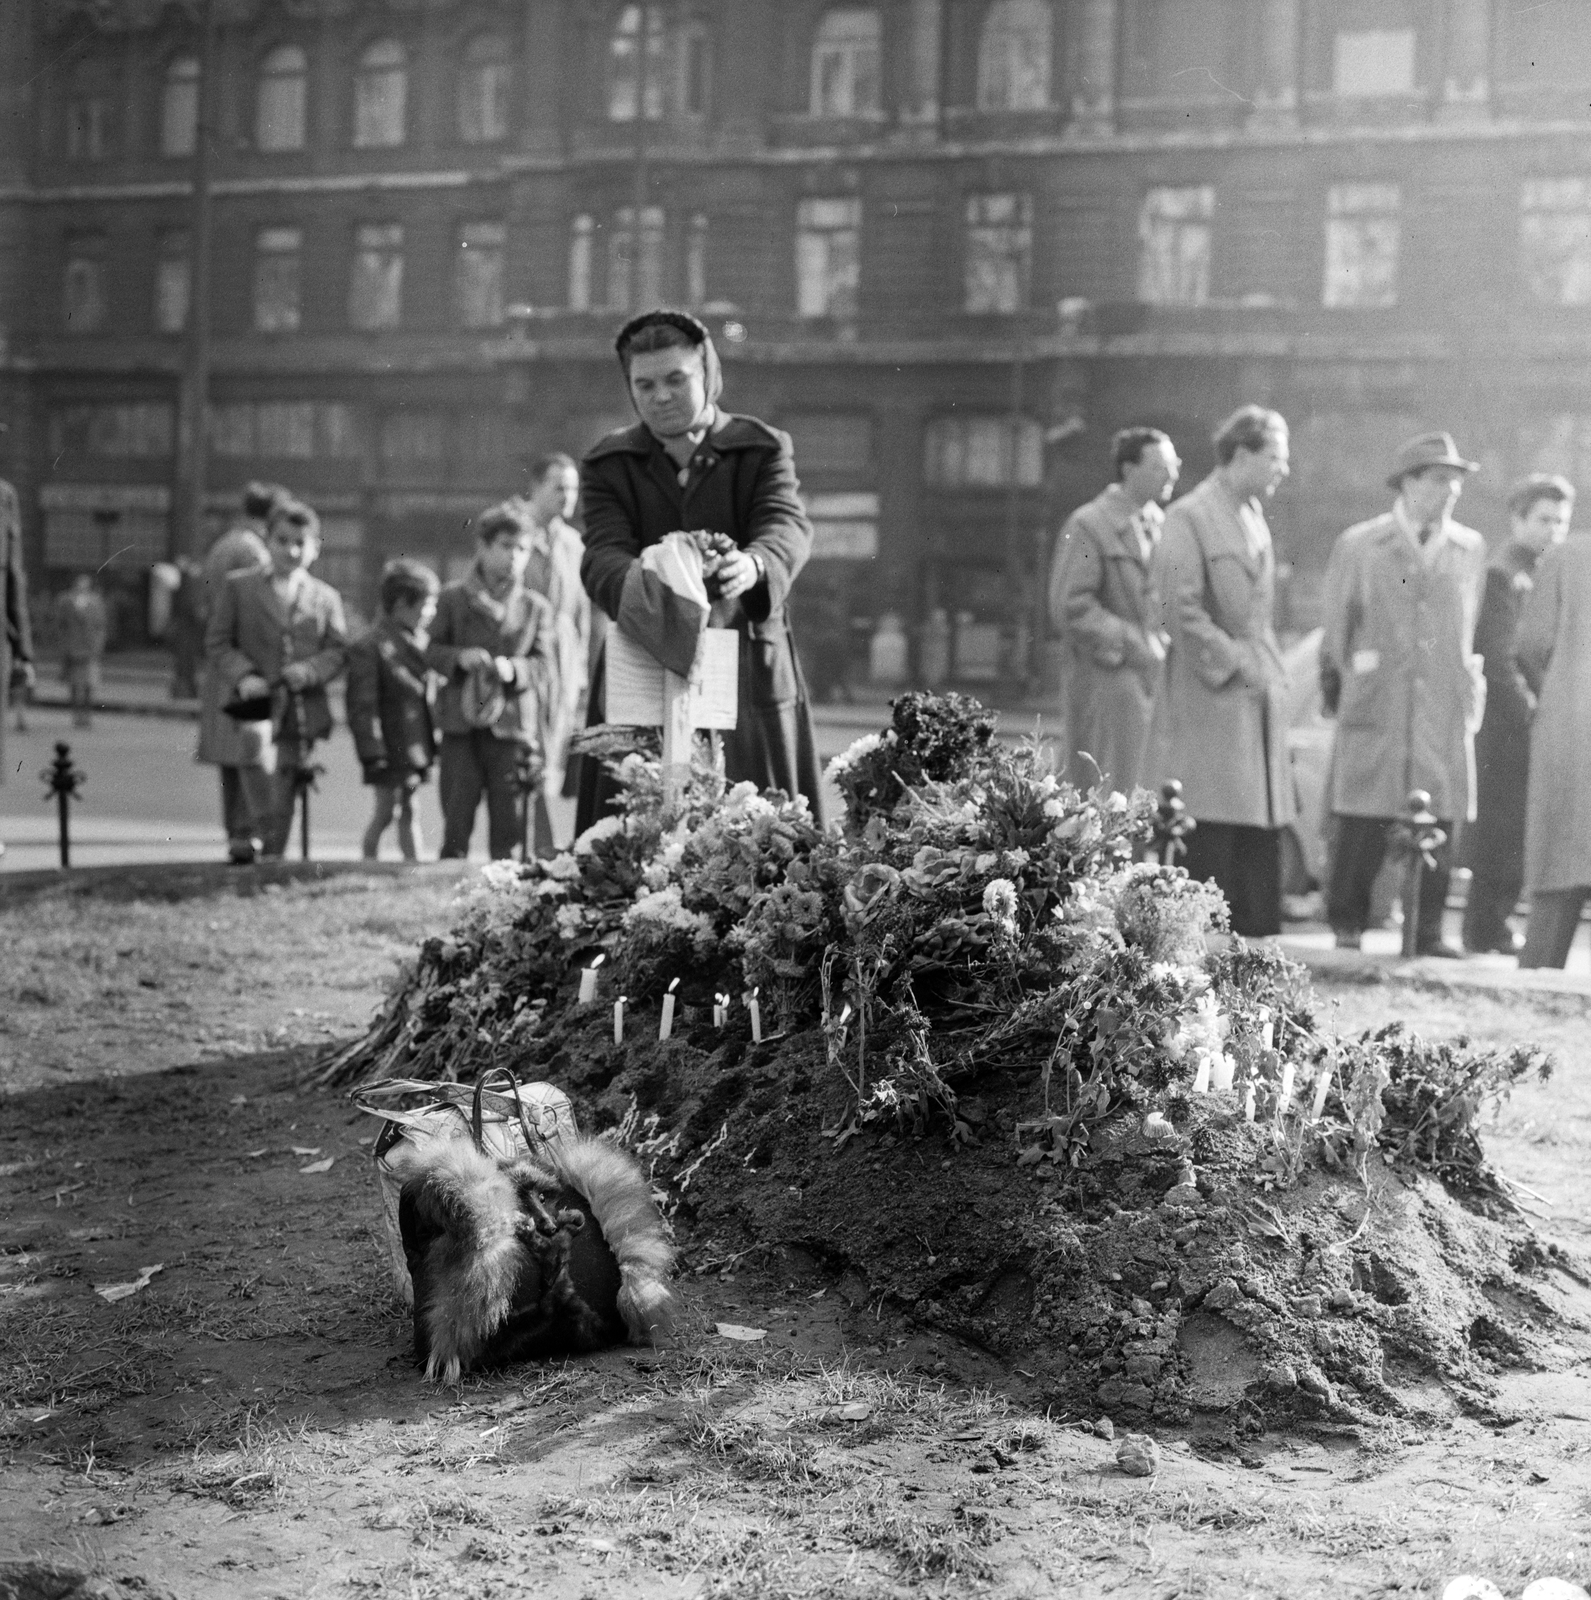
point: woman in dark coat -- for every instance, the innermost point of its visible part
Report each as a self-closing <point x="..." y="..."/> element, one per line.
<point x="688" y="466"/>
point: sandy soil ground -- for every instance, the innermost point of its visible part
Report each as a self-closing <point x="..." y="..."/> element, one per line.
<point x="249" y="1422"/>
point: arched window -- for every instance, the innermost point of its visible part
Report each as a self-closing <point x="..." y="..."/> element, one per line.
<point x="282" y="99"/>
<point x="381" y="89"/>
<point x="89" y="112"/>
<point x="485" y="79"/>
<point x="179" y="107"/>
<point x="580" y="243"/>
<point x="1014" y="56"/>
<point x="846" y="58"/>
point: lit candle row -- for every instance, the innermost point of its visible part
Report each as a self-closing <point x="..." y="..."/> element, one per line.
<point x="588" y="990"/>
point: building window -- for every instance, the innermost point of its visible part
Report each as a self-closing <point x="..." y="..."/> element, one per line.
<point x="172" y="281"/>
<point x="1555" y="240"/>
<point x="88" y="115"/>
<point x="375" y="287"/>
<point x="828" y="257"/>
<point x="1362" y="236"/>
<point x="581" y="231"/>
<point x="297" y="429"/>
<point x="678" y="67"/>
<point x="480" y="274"/>
<point x="381" y="91"/>
<point x="485" y="80"/>
<point x="83" y="283"/>
<point x="277" y="253"/>
<point x="1174" y="237"/>
<point x="999" y="251"/>
<point x="139" y="428"/>
<point x="846" y="56"/>
<point x="696" y="261"/>
<point x="629" y="263"/>
<point x="179" y="107"/>
<point x="1372" y="63"/>
<point x="1014" y="56"/>
<point x="984" y="453"/>
<point x="282" y="100"/>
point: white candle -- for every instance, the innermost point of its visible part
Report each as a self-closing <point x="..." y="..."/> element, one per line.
<point x="1221" y="1070"/>
<point x="666" y="1027"/>
<point x="1267" y="1028"/>
<point x="618" y="1020"/>
<point x="588" y="981"/>
<point x="1248" y="1102"/>
<point x="1201" y="1078"/>
<point x="755" y="1008"/>
<point x="1322" y="1089"/>
<point x="1285" y="1099"/>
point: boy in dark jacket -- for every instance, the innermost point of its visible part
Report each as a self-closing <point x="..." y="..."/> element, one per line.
<point x="492" y="642"/>
<point x="389" y="703"/>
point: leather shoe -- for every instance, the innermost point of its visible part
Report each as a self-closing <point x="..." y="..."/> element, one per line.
<point x="1442" y="950"/>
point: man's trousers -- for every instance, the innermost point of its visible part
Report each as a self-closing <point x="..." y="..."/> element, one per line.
<point x="1357" y="853"/>
<point x="472" y="765"/>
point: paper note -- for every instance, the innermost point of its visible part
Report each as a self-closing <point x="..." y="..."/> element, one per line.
<point x="635" y="681"/>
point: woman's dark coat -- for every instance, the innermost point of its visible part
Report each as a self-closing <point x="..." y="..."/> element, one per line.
<point x="741" y="482"/>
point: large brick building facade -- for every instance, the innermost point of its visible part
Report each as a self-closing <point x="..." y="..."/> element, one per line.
<point x="950" y="244"/>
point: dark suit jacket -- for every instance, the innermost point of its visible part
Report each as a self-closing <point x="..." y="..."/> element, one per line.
<point x="741" y="483"/>
<point x="522" y="629"/>
<point x="251" y="631"/>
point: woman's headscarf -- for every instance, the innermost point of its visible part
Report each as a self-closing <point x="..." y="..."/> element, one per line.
<point x="694" y="330"/>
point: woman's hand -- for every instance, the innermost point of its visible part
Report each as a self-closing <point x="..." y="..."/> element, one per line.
<point x="735" y="574"/>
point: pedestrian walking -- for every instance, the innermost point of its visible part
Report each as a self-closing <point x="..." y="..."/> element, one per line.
<point x="1223" y="711"/>
<point x="390" y="694"/>
<point x="553" y="571"/>
<point x="687" y="465"/>
<point x="241" y="548"/>
<point x="1539" y="512"/>
<point x="1398" y="670"/>
<point x="1103" y="605"/>
<point x="1554" y="654"/>
<point x="492" y="644"/>
<point x="275" y="640"/>
<point x="82" y="626"/>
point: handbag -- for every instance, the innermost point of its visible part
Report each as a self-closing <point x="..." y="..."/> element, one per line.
<point x="522" y="1121"/>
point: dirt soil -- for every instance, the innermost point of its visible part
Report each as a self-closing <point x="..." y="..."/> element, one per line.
<point x="249" y="1421"/>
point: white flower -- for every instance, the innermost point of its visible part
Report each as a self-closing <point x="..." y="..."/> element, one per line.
<point x="602" y="828"/>
<point x="852" y="753"/>
<point x="999" y="899"/>
<point x="562" y="867"/>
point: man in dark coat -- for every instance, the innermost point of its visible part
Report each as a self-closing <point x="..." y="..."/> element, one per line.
<point x="689" y="466"/>
<point x="1539" y="512"/>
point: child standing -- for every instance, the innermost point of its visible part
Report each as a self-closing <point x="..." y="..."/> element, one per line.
<point x="390" y="690"/>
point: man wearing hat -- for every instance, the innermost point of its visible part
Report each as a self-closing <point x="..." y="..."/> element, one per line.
<point x="687" y="466"/>
<point x="492" y="642"/>
<point x="1398" y="669"/>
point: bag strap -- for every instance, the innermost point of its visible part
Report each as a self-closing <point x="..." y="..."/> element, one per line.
<point x="532" y="1137"/>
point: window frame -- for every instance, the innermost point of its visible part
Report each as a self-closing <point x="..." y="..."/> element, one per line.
<point x="847" y="50"/>
<point x="810" y="229"/>
<point x="984" y="99"/>
<point x="1571" y="268"/>
<point x="269" y="80"/>
<point x="1020" y="229"/>
<point x="90" y="249"/>
<point x="1153" y="258"/>
<point x="1339" y="227"/>
<point x="372" y="254"/>
<point x="168" y="254"/>
<point x="376" y="124"/>
<point x="475" y="69"/>
<point x="179" y="107"/>
<point x="288" y="264"/>
<point x="463" y="268"/>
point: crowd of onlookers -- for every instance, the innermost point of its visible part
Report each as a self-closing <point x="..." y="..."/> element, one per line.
<point x="1463" y="677"/>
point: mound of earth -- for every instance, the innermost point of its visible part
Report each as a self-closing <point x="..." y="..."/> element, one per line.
<point x="1168" y="1272"/>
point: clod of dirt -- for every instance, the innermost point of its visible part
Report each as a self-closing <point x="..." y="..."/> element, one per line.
<point x="49" y="1580"/>
<point x="1138" y="1456"/>
<point x="1105" y="1428"/>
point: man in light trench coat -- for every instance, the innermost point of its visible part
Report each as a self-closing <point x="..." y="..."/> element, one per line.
<point x="1224" y="708"/>
<point x="1103" y="605"/>
<point x="1398" y="668"/>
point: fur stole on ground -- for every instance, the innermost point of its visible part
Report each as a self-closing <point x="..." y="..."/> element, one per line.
<point x="552" y="1254"/>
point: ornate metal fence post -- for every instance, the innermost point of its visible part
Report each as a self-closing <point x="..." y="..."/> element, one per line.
<point x="1418" y="837"/>
<point x="64" y="781"/>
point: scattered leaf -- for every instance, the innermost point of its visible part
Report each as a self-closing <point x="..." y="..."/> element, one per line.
<point x="305" y="1149"/>
<point x="319" y="1166"/>
<point x="856" y="1411"/>
<point x="119" y="1291"/>
<point x="734" y="1330"/>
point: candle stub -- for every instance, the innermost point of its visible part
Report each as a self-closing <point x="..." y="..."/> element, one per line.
<point x="618" y="1020"/>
